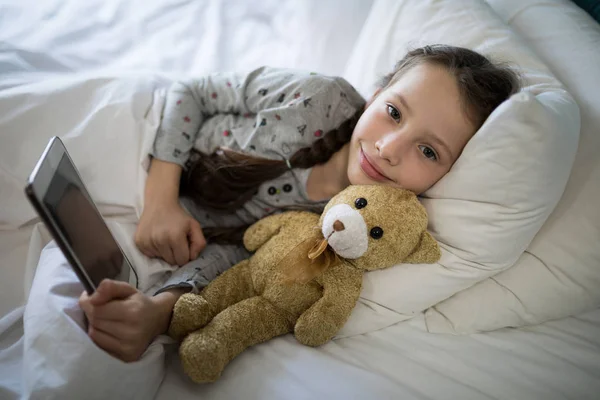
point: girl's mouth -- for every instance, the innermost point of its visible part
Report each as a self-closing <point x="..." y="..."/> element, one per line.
<point x="369" y="169"/>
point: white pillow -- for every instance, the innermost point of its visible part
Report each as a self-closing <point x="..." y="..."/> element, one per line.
<point x="488" y="208"/>
<point x="559" y="274"/>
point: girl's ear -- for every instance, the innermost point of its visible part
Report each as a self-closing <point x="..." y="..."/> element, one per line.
<point x="426" y="252"/>
<point x="373" y="98"/>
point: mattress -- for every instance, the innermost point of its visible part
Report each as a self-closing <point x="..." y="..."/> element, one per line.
<point x="61" y="39"/>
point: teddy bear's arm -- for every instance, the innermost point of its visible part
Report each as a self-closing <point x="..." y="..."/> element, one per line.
<point x="262" y="230"/>
<point x="265" y="228"/>
<point x="320" y="323"/>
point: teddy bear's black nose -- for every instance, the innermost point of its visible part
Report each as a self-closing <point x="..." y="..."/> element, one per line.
<point x="338" y="225"/>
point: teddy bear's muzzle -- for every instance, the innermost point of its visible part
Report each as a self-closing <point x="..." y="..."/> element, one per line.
<point x="346" y="231"/>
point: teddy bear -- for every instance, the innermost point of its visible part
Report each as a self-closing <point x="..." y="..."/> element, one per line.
<point x="304" y="276"/>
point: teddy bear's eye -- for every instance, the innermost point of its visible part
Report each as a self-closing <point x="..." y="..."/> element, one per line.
<point x="376" y="233"/>
<point x="361" y="202"/>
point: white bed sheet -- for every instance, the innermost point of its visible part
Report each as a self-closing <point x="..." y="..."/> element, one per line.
<point x="559" y="359"/>
<point x="176" y="37"/>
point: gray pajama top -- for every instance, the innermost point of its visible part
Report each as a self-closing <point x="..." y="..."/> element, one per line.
<point x="268" y="112"/>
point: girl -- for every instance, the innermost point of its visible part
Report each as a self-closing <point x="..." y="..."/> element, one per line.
<point x="284" y="139"/>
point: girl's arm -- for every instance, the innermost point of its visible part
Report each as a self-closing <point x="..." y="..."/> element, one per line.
<point x="307" y="104"/>
<point x="164" y="303"/>
<point x="165" y="230"/>
<point x="188" y="104"/>
<point x="162" y="184"/>
<point x="301" y="94"/>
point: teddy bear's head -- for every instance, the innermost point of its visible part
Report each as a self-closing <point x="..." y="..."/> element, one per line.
<point x="378" y="226"/>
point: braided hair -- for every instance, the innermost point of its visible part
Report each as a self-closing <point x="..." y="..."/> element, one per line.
<point x="226" y="179"/>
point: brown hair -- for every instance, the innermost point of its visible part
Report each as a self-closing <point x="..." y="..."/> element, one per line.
<point x="482" y="84"/>
<point x="226" y="179"/>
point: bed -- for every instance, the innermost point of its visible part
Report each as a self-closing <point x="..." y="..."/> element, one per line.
<point x="59" y="50"/>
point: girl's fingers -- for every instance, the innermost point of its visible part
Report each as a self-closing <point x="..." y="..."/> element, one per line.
<point x="84" y="303"/>
<point x="116" y="329"/>
<point x="181" y="250"/>
<point x="105" y="341"/>
<point x="116" y="310"/>
<point x="148" y="249"/>
<point x="166" y="253"/>
<point x="150" y="252"/>
<point x="197" y="240"/>
<point x="124" y="350"/>
<point x="111" y="290"/>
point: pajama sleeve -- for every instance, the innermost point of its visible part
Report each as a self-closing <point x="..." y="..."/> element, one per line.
<point x="189" y="104"/>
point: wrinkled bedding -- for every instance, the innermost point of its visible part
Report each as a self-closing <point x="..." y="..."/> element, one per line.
<point x="93" y="73"/>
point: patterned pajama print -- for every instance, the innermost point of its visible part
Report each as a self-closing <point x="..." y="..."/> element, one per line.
<point x="268" y="112"/>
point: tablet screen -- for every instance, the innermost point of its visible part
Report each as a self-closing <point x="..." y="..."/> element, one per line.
<point x="82" y="226"/>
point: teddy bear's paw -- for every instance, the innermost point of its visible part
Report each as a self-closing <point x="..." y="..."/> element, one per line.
<point x="191" y="312"/>
<point x="314" y="335"/>
<point x="203" y="358"/>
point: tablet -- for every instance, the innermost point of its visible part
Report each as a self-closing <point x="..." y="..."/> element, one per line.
<point x="56" y="191"/>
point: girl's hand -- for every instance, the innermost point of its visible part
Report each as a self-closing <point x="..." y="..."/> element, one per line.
<point x="166" y="231"/>
<point x="122" y="320"/>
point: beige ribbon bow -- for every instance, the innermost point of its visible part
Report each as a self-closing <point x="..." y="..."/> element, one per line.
<point x="308" y="259"/>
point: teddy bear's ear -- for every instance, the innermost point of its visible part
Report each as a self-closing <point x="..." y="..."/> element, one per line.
<point x="426" y="252"/>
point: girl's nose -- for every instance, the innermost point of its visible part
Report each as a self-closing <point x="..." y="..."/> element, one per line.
<point x="391" y="147"/>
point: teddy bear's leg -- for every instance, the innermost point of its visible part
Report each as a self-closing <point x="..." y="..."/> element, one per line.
<point x="205" y="353"/>
<point x="193" y="311"/>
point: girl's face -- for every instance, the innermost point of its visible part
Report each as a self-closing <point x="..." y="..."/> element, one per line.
<point x="410" y="133"/>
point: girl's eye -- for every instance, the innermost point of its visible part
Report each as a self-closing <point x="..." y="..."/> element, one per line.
<point x="428" y="152"/>
<point x="394" y="113"/>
